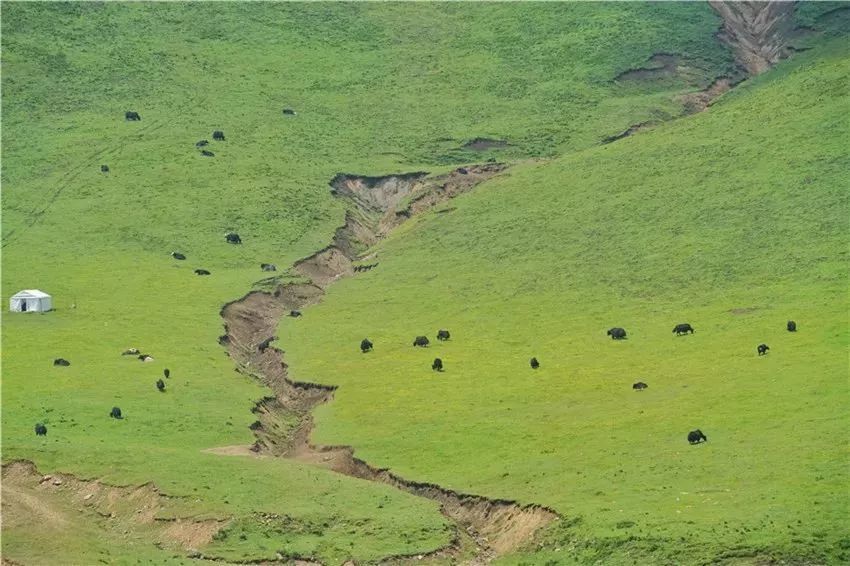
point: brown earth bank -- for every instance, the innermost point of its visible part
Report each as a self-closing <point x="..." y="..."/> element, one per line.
<point x="58" y="501"/>
<point x="486" y="528"/>
<point x="757" y="32"/>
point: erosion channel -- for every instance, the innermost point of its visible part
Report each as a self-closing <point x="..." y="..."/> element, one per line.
<point x="374" y="206"/>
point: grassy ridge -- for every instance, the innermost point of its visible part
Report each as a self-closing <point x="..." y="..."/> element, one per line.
<point x="735" y="220"/>
<point x="378" y="87"/>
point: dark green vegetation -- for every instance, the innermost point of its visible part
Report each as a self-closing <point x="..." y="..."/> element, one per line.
<point x="645" y="233"/>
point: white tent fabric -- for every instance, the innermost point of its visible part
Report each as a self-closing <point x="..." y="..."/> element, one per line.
<point x="30" y="300"/>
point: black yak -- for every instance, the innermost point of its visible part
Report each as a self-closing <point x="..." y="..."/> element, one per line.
<point x="696" y="436"/>
<point x="218" y="135"/>
<point x="534" y="363"/>
<point x="166" y="372"/>
<point x="366" y="345"/>
<point x="40" y="429"/>
<point x="443" y="335"/>
<point x="264" y="345"/>
<point x="683" y="328"/>
<point x="437" y="365"/>
<point x="178" y="255"/>
<point x="421" y="341"/>
<point x="762" y="349"/>
<point x="639" y="386"/>
<point x="792" y="326"/>
<point x="232" y="238"/>
<point x="132" y="116"/>
<point x="115" y="413"/>
<point x="617" y="333"/>
<point x="160" y="384"/>
<point x="202" y="272"/>
<point x="61" y="362"/>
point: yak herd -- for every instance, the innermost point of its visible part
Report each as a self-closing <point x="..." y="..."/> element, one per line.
<point x="616" y="333"/>
<point x="115" y="413"/>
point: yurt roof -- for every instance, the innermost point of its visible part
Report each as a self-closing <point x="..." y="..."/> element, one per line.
<point x="30" y="294"/>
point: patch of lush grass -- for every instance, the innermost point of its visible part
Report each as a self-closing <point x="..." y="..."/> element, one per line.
<point x="735" y="220"/>
<point x="377" y="88"/>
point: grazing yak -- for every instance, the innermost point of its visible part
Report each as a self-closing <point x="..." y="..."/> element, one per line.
<point x="232" y="238"/>
<point x="145" y="357"/>
<point x="130" y="352"/>
<point x="640" y="386"/>
<point x="104" y="168"/>
<point x="268" y="267"/>
<point x="132" y="116"/>
<point x="762" y="349"/>
<point x="264" y="345"/>
<point x="207" y="153"/>
<point x="202" y="272"/>
<point x="218" y="135"/>
<point x="40" y="429"/>
<point x="294" y="314"/>
<point x="178" y="255"/>
<point x="421" y="341"/>
<point x="202" y="143"/>
<point x="160" y="384"/>
<point x="166" y="372"/>
<point x="696" y="436"/>
<point x="683" y="328"/>
<point x="366" y="345"/>
<point x="61" y="362"/>
<point x="437" y="365"/>
<point x="115" y="413"/>
<point x="792" y="326"/>
<point x="534" y="363"/>
<point x="617" y="333"/>
<point x="443" y="335"/>
<point x="289" y="112"/>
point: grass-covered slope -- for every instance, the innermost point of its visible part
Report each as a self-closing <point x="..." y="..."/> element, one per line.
<point x="734" y="220"/>
<point x="377" y="87"/>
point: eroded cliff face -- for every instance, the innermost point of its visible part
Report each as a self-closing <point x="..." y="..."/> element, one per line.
<point x="757" y="32"/>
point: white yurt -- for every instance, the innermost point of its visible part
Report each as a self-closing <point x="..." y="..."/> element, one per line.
<point x="30" y="300"/>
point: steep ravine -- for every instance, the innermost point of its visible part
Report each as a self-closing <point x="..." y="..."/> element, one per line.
<point x="375" y="205"/>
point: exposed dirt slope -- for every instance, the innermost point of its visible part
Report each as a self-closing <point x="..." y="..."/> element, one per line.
<point x="51" y="502"/>
<point x="284" y="422"/>
<point x="757" y="32"/>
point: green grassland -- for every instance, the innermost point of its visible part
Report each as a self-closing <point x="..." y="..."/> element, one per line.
<point x="734" y="220"/>
<point x="381" y="88"/>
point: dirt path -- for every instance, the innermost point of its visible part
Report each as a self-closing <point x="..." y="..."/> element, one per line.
<point x="485" y="528"/>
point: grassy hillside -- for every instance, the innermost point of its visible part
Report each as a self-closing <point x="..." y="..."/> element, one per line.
<point x="734" y="220"/>
<point x="377" y="87"/>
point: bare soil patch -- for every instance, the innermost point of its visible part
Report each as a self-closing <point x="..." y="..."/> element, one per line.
<point x="58" y="501"/>
<point x="698" y="101"/>
<point x="660" y="65"/>
<point x="757" y="32"/>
